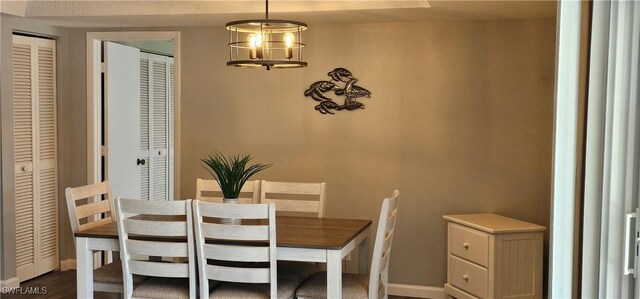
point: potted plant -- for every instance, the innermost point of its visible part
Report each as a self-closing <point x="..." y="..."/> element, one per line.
<point x="231" y="172"/>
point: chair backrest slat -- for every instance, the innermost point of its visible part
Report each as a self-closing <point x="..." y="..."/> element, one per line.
<point x="92" y="224"/>
<point x="150" y="248"/>
<point x="237" y="253"/>
<point x="97" y="211"/>
<point x="235" y="232"/>
<point x="217" y="244"/>
<point x="289" y="205"/>
<point x="384" y="260"/>
<point x="386" y="242"/>
<point x="156" y="229"/>
<point x="90" y="190"/>
<point x="236" y="211"/>
<point x="250" y="192"/>
<point x="96" y="208"/>
<point x="379" y="275"/>
<point x="145" y="207"/>
<point x="293" y="188"/>
<point x="243" y="275"/>
<point x="171" y="270"/>
<point x="272" y="192"/>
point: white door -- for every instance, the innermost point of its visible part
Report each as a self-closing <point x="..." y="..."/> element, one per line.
<point x="156" y="127"/>
<point x="122" y="114"/>
<point x="34" y="111"/>
<point x="611" y="239"/>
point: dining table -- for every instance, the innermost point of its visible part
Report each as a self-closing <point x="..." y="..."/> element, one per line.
<point x="304" y="239"/>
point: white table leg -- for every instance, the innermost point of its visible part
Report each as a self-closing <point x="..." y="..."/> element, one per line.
<point x="334" y="274"/>
<point x="363" y="256"/>
<point x="84" y="265"/>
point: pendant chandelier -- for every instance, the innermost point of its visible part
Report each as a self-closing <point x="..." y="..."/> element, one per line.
<point x="266" y="43"/>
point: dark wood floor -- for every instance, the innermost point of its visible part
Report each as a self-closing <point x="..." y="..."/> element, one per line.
<point x="58" y="285"/>
<point x="62" y="285"/>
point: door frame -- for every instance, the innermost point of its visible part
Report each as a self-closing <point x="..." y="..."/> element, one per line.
<point x="94" y="91"/>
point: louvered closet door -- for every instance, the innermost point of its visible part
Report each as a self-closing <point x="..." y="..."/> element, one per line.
<point x="159" y="162"/>
<point x="46" y="140"/>
<point x="35" y="156"/>
<point x="156" y="109"/>
<point x="171" y="128"/>
<point x="24" y="133"/>
<point x="145" y="129"/>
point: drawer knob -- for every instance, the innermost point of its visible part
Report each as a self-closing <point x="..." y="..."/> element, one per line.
<point x="25" y="168"/>
<point x="465" y="245"/>
<point x="465" y="277"/>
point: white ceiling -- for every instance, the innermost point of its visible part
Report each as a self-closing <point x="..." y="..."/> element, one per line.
<point x="145" y="13"/>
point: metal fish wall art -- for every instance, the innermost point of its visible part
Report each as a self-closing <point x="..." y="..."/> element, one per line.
<point x="343" y="84"/>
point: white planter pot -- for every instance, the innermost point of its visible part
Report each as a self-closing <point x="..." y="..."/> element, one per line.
<point x="230" y="200"/>
<point x="230" y="220"/>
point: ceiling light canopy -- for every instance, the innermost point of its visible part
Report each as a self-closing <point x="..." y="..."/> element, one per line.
<point x="266" y="43"/>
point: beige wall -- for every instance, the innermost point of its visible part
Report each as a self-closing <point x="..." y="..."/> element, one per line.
<point x="460" y="121"/>
<point x="72" y="141"/>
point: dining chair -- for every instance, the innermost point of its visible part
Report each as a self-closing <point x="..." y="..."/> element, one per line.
<point x="157" y="229"/>
<point x="374" y="285"/>
<point x="209" y="190"/>
<point x="85" y="213"/>
<point x="243" y="255"/>
<point x="305" y="198"/>
<point x="301" y="199"/>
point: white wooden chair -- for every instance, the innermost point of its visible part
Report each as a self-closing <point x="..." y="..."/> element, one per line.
<point x="243" y="256"/>
<point x="306" y="199"/>
<point x="374" y="285"/>
<point x="169" y="220"/>
<point x="209" y="190"/>
<point x="107" y="278"/>
<point x="295" y="197"/>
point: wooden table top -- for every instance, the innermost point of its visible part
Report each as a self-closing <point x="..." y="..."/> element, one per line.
<point x="297" y="232"/>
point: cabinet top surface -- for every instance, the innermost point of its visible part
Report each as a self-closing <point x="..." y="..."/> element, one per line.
<point x="494" y="224"/>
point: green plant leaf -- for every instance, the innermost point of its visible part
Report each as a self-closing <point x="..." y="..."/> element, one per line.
<point x="231" y="172"/>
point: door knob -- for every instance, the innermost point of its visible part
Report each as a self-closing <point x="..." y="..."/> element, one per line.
<point x="141" y="162"/>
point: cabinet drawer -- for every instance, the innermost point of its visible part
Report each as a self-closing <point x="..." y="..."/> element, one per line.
<point x="469" y="244"/>
<point x="468" y="277"/>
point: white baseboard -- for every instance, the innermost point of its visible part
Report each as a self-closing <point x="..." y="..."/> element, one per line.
<point x="416" y="291"/>
<point x="69" y="264"/>
<point x="12" y="282"/>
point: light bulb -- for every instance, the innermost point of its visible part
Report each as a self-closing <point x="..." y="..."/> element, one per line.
<point x="258" y="39"/>
<point x="252" y="41"/>
<point x="288" y="39"/>
<point x="288" y="43"/>
<point x="252" y="47"/>
<point x="255" y="45"/>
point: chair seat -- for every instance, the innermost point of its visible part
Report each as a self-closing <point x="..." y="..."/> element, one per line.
<point x="162" y="288"/>
<point x="286" y="289"/>
<point x="354" y="286"/>
<point x="112" y="272"/>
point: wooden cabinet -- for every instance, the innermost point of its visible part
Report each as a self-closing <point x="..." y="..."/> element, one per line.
<point x="492" y="256"/>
